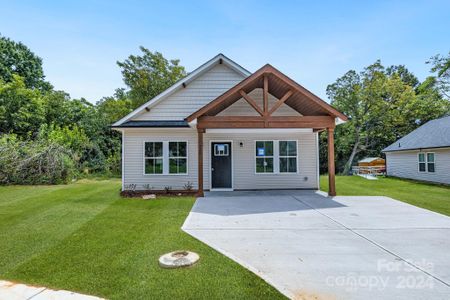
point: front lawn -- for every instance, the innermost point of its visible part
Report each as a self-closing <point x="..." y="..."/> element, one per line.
<point x="83" y="237"/>
<point x="429" y="196"/>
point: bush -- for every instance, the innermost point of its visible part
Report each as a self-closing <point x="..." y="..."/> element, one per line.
<point x="34" y="162"/>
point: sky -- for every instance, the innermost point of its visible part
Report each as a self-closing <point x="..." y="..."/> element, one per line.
<point x="313" y="42"/>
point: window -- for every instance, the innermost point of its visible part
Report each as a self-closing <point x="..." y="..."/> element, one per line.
<point x="221" y="150"/>
<point x="153" y="157"/>
<point x="288" y="156"/>
<point x="177" y="158"/>
<point x="430" y="162"/>
<point x="165" y="158"/>
<point x="276" y="157"/>
<point x="426" y="162"/>
<point x="264" y="157"/>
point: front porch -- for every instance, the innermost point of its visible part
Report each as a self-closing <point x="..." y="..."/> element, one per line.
<point x="310" y="114"/>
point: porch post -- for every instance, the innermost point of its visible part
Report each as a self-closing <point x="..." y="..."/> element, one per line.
<point x="331" y="179"/>
<point x="200" y="162"/>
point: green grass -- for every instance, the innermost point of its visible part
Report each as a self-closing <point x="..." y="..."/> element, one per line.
<point x="429" y="196"/>
<point x="85" y="238"/>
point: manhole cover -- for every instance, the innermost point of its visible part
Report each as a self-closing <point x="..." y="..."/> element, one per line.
<point x="178" y="259"/>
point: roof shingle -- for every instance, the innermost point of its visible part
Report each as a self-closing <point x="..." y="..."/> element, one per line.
<point x="433" y="134"/>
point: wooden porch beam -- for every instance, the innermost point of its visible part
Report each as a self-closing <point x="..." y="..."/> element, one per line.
<point x="200" y="132"/>
<point x="331" y="175"/>
<point x="266" y="95"/>
<point x="265" y="122"/>
<point x="251" y="102"/>
<point x="280" y="102"/>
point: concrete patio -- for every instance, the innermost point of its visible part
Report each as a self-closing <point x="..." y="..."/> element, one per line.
<point x="308" y="245"/>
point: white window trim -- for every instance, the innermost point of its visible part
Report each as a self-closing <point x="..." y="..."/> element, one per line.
<point x="426" y="162"/>
<point x="265" y="156"/>
<point x="289" y="156"/>
<point x="276" y="157"/>
<point x="165" y="158"/>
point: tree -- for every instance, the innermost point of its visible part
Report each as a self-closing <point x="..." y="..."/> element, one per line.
<point x="16" y="58"/>
<point x="382" y="107"/>
<point x="405" y="75"/>
<point x="21" y="109"/>
<point x="441" y="67"/>
<point x="149" y="74"/>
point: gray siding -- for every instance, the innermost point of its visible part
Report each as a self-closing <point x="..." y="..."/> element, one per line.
<point x="134" y="157"/>
<point x="197" y="94"/>
<point x="405" y="164"/>
<point x="243" y="160"/>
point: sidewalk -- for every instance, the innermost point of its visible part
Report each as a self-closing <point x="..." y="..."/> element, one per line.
<point x="17" y="291"/>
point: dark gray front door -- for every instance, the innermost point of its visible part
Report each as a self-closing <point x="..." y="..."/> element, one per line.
<point x="221" y="165"/>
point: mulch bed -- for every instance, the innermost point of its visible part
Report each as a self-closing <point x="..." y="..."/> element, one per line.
<point x="140" y="193"/>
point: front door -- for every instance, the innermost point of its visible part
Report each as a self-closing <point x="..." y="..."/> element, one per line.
<point x="221" y="165"/>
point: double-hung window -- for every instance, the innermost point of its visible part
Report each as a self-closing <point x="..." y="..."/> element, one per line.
<point x="426" y="162"/>
<point x="177" y="158"/>
<point x="167" y="157"/>
<point x="288" y="156"/>
<point x="276" y="157"/>
<point x="264" y="157"/>
<point x="153" y="157"/>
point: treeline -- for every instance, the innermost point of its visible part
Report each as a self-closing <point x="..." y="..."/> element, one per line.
<point x="383" y="105"/>
<point x="46" y="137"/>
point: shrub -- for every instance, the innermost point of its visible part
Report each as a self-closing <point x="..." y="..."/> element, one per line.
<point x="34" y="162"/>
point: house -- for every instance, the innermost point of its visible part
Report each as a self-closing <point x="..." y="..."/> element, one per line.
<point x="224" y="128"/>
<point x="423" y="154"/>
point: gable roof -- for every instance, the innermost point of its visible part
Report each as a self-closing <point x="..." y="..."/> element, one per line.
<point x="433" y="134"/>
<point x="279" y="84"/>
<point x="369" y="159"/>
<point x="218" y="59"/>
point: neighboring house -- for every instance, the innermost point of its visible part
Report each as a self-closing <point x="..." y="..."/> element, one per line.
<point x="371" y="162"/>
<point x="423" y="154"/>
<point x="224" y="128"/>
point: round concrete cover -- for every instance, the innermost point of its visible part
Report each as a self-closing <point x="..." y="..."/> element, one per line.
<point x="178" y="259"/>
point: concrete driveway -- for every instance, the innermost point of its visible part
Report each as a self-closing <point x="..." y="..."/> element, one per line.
<point x="313" y="247"/>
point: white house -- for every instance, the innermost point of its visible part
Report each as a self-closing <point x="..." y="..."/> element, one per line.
<point x="423" y="154"/>
<point x="224" y="128"/>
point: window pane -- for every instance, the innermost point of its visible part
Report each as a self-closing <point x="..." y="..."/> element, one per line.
<point x="153" y="166"/>
<point x="288" y="165"/>
<point x="153" y="149"/>
<point x="149" y="150"/>
<point x="182" y="165"/>
<point x="260" y="165"/>
<point x="173" y="166"/>
<point x="173" y="149"/>
<point x="421" y="157"/>
<point x="431" y="167"/>
<point x="177" y="165"/>
<point x="269" y="165"/>
<point x="283" y="165"/>
<point x="292" y="148"/>
<point x="182" y="149"/>
<point x="292" y="162"/>
<point x="422" y="167"/>
<point x="283" y="148"/>
<point x="259" y="145"/>
<point x="269" y="148"/>
<point x="430" y="157"/>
